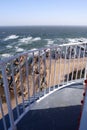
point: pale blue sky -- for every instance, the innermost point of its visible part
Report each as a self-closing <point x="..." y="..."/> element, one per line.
<point x="43" y="12"/>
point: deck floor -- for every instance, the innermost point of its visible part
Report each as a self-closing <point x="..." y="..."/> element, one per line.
<point x="58" y="111"/>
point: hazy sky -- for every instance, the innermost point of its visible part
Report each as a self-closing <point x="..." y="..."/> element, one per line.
<point x="43" y="12"/>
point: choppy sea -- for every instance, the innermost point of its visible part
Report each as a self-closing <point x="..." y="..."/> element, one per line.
<point x="14" y="40"/>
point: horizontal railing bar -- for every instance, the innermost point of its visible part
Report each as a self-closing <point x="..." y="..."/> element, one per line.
<point x="72" y="44"/>
<point x="4" y="61"/>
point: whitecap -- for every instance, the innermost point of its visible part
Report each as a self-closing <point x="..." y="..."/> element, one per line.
<point x="9" y="46"/>
<point x="77" y="40"/>
<point x="25" y="40"/>
<point x="50" y="42"/>
<point x="82" y="40"/>
<point x="11" y="37"/>
<point x="6" y="55"/>
<point x="72" y="40"/>
<point x="29" y="40"/>
<point x="36" y="39"/>
<point x="19" y="49"/>
<point x="33" y="49"/>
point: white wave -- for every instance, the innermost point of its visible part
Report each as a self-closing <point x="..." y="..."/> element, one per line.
<point x="72" y="40"/>
<point x="82" y="40"/>
<point x="11" y="37"/>
<point x="25" y="40"/>
<point x="29" y="40"/>
<point x="9" y="46"/>
<point x="33" y="49"/>
<point x="19" y="49"/>
<point x="50" y="42"/>
<point x="77" y="40"/>
<point x="36" y="39"/>
<point x="6" y="55"/>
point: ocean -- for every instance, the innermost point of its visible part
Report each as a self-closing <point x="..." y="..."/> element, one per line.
<point x="18" y="39"/>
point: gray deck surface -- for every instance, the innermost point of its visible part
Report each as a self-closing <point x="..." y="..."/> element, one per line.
<point x="58" y="111"/>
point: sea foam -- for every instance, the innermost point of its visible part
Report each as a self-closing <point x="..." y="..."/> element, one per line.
<point x="9" y="46"/>
<point x="29" y="40"/>
<point x="25" y="40"/>
<point x="36" y="39"/>
<point x="6" y="55"/>
<point x="50" y="42"/>
<point x="77" y="40"/>
<point x="19" y="49"/>
<point x="11" y="37"/>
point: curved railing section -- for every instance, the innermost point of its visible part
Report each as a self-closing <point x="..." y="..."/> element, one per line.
<point x="31" y="76"/>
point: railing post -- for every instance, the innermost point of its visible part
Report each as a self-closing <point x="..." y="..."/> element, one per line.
<point x="7" y="94"/>
<point x="49" y="81"/>
<point x="85" y="75"/>
<point x="3" y="117"/>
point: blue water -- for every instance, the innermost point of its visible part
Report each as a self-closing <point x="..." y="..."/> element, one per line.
<point x="14" y="40"/>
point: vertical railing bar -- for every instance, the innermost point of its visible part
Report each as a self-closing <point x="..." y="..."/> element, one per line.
<point x="64" y="65"/>
<point x="39" y="73"/>
<point x="78" y="63"/>
<point x="74" y="62"/>
<point x="54" y="70"/>
<point x="3" y="117"/>
<point x="33" y="77"/>
<point x="83" y="60"/>
<point x="14" y="87"/>
<point x="21" y="84"/>
<point x="69" y="64"/>
<point x="85" y="74"/>
<point x="49" y="81"/>
<point x="27" y="79"/>
<point x="44" y="71"/>
<point x="7" y="94"/>
<point x="59" y="70"/>
<point x="70" y="60"/>
<point x="60" y="63"/>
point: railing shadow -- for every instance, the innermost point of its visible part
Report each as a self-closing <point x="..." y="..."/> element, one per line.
<point x="61" y="118"/>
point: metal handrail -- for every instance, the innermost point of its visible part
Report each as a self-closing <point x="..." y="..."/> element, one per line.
<point x="40" y="77"/>
<point x="5" y="60"/>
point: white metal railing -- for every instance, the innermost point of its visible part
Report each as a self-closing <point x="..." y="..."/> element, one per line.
<point x="33" y="75"/>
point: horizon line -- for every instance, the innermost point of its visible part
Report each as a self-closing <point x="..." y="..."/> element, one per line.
<point x="38" y="25"/>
